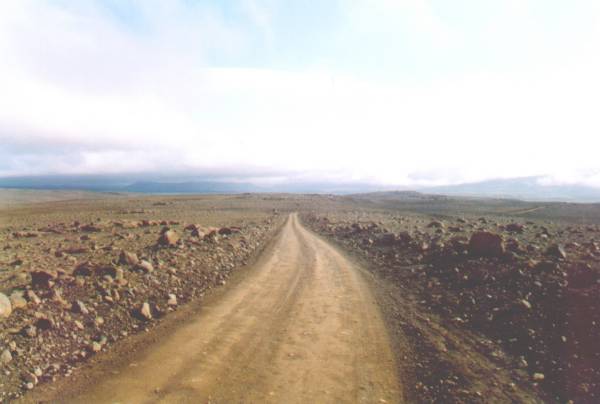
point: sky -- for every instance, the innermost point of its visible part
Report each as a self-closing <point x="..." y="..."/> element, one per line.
<point x="404" y="92"/>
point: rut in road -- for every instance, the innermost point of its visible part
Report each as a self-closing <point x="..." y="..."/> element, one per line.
<point x="303" y="327"/>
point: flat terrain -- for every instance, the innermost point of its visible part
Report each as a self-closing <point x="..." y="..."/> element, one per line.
<point x="17" y="197"/>
<point x="302" y="328"/>
<point x="394" y="297"/>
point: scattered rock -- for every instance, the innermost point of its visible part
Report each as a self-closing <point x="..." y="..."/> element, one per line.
<point x="79" y="307"/>
<point x="168" y="238"/>
<point x="29" y="331"/>
<point x="17" y="300"/>
<point x="5" y="357"/>
<point x="225" y="231"/>
<point x="95" y="346"/>
<point x="436" y="224"/>
<point x="29" y="377"/>
<point x="198" y="233"/>
<point x="556" y="251"/>
<point x="32" y="297"/>
<point x="538" y="377"/>
<point x="43" y="278"/>
<point x="5" y="306"/>
<point x="44" y="323"/>
<point x="84" y="269"/>
<point x="91" y="228"/>
<point x="145" y="267"/>
<point x="525" y="303"/>
<point x="515" y="228"/>
<point x="107" y="270"/>
<point x="145" y="311"/>
<point x="386" y="240"/>
<point x="128" y="258"/>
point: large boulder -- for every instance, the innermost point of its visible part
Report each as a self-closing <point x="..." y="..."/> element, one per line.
<point x="5" y="306"/>
<point x="486" y="244"/>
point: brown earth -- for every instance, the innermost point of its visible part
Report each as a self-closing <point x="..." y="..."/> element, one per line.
<point x="412" y="298"/>
<point x="500" y="304"/>
<point x="303" y="327"/>
<point x="84" y="276"/>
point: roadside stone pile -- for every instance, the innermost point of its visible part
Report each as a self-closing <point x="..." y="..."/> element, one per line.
<point x="91" y="285"/>
<point x="532" y="287"/>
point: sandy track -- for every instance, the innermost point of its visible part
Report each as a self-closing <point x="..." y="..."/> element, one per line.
<point x="302" y="328"/>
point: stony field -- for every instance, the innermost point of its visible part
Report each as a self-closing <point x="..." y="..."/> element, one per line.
<point x="483" y="299"/>
<point x="78" y="276"/>
<point x="528" y="289"/>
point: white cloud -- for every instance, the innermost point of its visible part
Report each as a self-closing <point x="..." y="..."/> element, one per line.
<point x="95" y="95"/>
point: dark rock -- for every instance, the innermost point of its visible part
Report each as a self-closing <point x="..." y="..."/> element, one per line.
<point x="44" y="323"/>
<point x="386" y="240"/>
<point x="229" y="230"/>
<point x="106" y="270"/>
<point x="79" y="307"/>
<point x="556" y="251"/>
<point x="486" y="244"/>
<point x="90" y="228"/>
<point x="515" y="228"/>
<point x="43" y="279"/>
<point x="84" y="269"/>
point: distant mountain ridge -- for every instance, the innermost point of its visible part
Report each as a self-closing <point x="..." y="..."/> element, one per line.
<point x="528" y="188"/>
<point x="201" y="187"/>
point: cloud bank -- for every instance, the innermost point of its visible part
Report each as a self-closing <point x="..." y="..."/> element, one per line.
<point x="391" y="92"/>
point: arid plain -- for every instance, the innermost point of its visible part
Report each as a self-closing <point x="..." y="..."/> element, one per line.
<point x="386" y="297"/>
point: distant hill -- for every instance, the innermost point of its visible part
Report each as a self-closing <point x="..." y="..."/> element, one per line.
<point x="204" y="187"/>
<point x="115" y="183"/>
<point x="150" y="184"/>
<point x="529" y="189"/>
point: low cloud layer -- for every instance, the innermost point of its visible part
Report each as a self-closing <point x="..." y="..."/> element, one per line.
<point x="401" y="93"/>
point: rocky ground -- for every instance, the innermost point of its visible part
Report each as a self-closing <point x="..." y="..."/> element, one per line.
<point x="485" y="300"/>
<point x="77" y="277"/>
<point x="525" y="294"/>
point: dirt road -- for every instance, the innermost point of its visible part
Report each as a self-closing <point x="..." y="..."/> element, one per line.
<point x="302" y="328"/>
